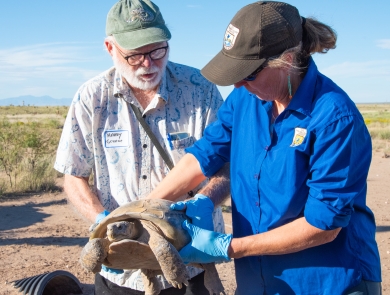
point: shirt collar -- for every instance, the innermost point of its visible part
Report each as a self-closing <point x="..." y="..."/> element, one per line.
<point x="302" y="100"/>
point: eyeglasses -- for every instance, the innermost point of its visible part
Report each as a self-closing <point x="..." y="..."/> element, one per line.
<point x="137" y="59"/>
<point x="253" y="76"/>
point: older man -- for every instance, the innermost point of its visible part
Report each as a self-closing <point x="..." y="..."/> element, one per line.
<point x="103" y="136"/>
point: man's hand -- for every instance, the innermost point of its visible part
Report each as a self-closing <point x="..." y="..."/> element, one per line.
<point x="112" y="270"/>
<point x="101" y="216"/>
<point x="205" y="246"/>
<point x="98" y="218"/>
<point x="199" y="209"/>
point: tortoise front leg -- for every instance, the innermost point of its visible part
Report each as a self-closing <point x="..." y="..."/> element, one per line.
<point x="172" y="266"/>
<point x="94" y="254"/>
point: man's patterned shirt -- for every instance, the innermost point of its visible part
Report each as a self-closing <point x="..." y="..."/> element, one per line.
<point x="102" y="136"/>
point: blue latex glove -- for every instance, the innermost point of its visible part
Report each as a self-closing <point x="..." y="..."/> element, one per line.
<point x="99" y="218"/>
<point x="205" y="246"/>
<point x="199" y="209"/>
<point x="112" y="270"/>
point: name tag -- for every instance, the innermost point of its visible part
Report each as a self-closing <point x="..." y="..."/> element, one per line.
<point x="116" y="138"/>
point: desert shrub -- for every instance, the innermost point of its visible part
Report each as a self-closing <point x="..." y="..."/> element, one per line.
<point x="374" y="134"/>
<point x="41" y="177"/>
<point x="26" y="154"/>
<point x="11" y="154"/>
<point x="377" y="119"/>
<point x="52" y="123"/>
<point x="3" y="187"/>
<point x="384" y="134"/>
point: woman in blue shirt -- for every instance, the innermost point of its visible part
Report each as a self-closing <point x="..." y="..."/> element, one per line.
<point x="299" y="155"/>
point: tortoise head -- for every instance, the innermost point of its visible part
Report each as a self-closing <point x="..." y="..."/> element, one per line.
<point x="120" y="230"/>
<point x="156" y="211"/>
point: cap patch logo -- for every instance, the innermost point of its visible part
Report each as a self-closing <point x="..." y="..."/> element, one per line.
<point x="230" y="37"/>
<point x="140" y="14"/>
<point x="299" y="136"/>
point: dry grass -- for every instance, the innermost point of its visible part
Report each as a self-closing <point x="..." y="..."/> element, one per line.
<point x="49" y="120"/>
<point x="28" y="142"/>
<point x="27" y="114"/>
<point x="377" y="118"/>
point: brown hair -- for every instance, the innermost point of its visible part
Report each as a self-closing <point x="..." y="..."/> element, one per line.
<point x="316" y="38"/>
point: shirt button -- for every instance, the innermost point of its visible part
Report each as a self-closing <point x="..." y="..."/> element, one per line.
<point x="257" y="204"/>
<point x="145" y="146"/>
<point x="266" y="147"/>
<point x="144" y="176"/>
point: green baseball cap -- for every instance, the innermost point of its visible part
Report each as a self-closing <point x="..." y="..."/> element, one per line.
<point x="136" y="23"/>
<point x="258" y="31"/>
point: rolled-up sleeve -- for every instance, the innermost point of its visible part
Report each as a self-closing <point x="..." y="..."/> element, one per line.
<point x="339" y="166"/>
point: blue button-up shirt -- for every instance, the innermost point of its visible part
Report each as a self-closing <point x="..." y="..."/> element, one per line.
<point x="314" y="163"/>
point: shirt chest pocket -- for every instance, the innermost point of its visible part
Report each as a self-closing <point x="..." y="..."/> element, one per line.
<point x="178" y="147"/>
<point x="290" y="153"/>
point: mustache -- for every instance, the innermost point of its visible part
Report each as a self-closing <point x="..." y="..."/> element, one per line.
<point x="150" y="70"/>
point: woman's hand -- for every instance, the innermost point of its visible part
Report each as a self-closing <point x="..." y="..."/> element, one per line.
<point x="199" y="209"/>
<point x="205" y="246"/>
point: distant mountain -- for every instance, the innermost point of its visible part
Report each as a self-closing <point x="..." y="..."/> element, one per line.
<point x="35" y="101"/>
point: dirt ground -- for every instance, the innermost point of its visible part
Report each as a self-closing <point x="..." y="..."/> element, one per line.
<point x="42" y="232"/>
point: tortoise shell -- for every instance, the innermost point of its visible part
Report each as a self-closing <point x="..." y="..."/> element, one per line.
<point x="155" y="210"/>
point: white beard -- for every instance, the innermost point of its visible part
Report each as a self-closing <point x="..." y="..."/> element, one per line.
<point x="134" y="77"/>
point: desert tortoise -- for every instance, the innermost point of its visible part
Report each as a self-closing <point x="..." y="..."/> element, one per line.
<point x="145" y="235"/>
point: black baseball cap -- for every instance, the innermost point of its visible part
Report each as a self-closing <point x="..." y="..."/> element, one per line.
<point x="258" y="31"/>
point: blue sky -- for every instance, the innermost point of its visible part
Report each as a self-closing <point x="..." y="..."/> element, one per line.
<point x="51" y="47"/>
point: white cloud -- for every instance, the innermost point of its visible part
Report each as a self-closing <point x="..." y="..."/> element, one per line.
<point x="44" y="55"/>
<point x="383" y="43"/>
<point x="55" y="69"/>
<point x="363" y="81"/>
<point x="368" y="69"/>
